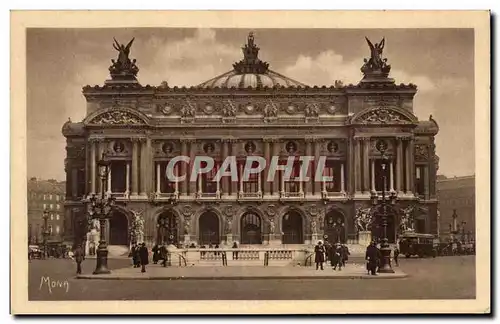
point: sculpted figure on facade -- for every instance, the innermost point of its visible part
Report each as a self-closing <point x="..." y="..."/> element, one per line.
<point x="376" y="62"/>
<point x="270" y="110"/>
<point x="363" y="219"/>
<point x="407" y="220"/>
<point x="116" y="118"/>
<point x="229" y="109"/>
<point x="123" y="65"/>
<point x="188" y="110"/>
<point x="312" y="110"/>
<point x="187" y="225"/>
<point x="229" y="224"/>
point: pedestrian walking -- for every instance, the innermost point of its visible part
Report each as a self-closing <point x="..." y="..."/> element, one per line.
<point x="235" y="253"/>
<point x="144" y="256"/>
<point x="337" y="257"/>
<point x="163" y="255"/>
<point x="135" y="256"/>
<point x="396" y="255"/>
<point x="156" y="253"/>
<point x="78" y="255"/>
<point x="345" y="254"/>
<point x="371" y="257"/>
<point x="319" y="255"/>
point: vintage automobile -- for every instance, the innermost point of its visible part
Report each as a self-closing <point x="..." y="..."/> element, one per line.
<point x="418" y="244"/>
<point x="35" y="252"/>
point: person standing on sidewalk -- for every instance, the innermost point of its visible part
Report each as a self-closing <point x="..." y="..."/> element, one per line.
<point x="78" y="255"/>
<point x="396" y="255"/>
<point x="144" y="256"/>
<point x="319" y="255"/>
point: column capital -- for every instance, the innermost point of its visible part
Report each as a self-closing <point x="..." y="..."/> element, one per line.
<point x="96" y="139"/>
<point x="188" y="140"/>
<point x="135" y="139"/>
<point x="270" y="139"/>
<point x="229" y="140"/>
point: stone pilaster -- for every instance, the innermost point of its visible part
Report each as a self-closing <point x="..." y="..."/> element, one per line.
<point x="144" y="166"/>
<point x="357" y="165"/>
<point x="135" y="166"/>
<point x="399" y="164"/>
<point x="308" y="184"/>
<point x="184" y="186"/>
<point x="366" y="165"/>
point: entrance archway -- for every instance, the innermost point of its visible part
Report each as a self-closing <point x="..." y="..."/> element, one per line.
<point x="292" y="228"/>
<point x="251" y="229"/>
<point x="167" y="228"/>
<point x="118" y="229"/>
<point x="209" y="228"/>
<point x="335" y="227"/>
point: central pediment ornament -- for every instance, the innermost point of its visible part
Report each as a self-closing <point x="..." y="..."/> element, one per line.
<point x="383" y="116"/>
<point x="116" y="118"/>
<point x="188" y="110"/>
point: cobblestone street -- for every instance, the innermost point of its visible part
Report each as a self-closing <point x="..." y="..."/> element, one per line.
<point x="440" y="278"/>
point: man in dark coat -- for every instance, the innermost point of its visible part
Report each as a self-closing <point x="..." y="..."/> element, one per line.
<point x="337" y="257"/>
<point x="78" y="255"/>
<point x="156" y="255"/>
<point x="371" y="256"/>
<point x="396" y="255"/>
<point x="135" y="256"/>
<point x="345" y="254"/>
<point x="319" y="255"/>
<point x="143" y="256"/>
<point x="163" y="255"/>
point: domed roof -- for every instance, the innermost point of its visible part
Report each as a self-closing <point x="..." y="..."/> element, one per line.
<point x="250" y="72"/>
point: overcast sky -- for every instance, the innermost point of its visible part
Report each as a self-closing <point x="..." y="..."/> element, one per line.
<point x="61" y="61"/>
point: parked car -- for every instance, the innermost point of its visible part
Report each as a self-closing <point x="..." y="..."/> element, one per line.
<point x="417" y="244"/>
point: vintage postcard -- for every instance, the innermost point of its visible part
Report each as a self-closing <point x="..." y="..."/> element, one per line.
<point x="250" y="162"/>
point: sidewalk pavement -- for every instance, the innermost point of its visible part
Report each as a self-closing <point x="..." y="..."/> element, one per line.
<point x="157" y="272"/>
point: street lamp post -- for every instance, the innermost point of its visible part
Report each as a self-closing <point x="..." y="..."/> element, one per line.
<point x="100" y="208"/>
<point x="384" y="204"/>
<point x="45" y="232"/>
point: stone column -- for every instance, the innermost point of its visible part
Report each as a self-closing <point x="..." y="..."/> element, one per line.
<point x="342" y="178"/>
<point x="317" y="152"/>
<point x="127" y="179"/>
<point x="391" y="176"/>
<point x="267" y="156"/>
<point x="183" y="168"/>
<point x="366" y="165"/>
<point x="93" y="144"/>
<point x="143" y="168"/>
<point x="309" y="174"/>
<point x="158" y="180"/>
<point x="192" y="154"/>
<point x="412" y="165"/>
<point x="357" y="165"/>
<point x="276" y="151"/>
<point x="426" y="181"/>
<point x="135" y="166"/>
<point x="100" y="150"/>
<point x="108" y="190"/>
<point x="407" y="167"/>
<point x="240" y="179"/>
<point x="399" y="164"/>
<point x="226" y="180"/>
<point x="373" y="189"/>
<point x="234" y="184"/>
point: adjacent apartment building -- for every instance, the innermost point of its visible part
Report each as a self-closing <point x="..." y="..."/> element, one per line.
<point x="45" y="195"/>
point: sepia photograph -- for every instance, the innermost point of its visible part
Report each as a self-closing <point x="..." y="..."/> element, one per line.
<point x="305" y="162"/>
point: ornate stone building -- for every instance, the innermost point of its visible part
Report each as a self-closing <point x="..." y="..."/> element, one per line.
<point x="250" y="110"/>
<point x="457" y="206"/>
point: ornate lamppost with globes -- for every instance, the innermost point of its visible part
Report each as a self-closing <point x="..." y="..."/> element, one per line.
<point x="100" y="208"/>
<point x="382" y="204"/>
<point x="45" y="233"/>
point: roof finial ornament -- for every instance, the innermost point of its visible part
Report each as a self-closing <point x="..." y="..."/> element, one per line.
<point x="250" y="39"/>
<point x="123" y="68"/>
<point x="376" y="68"/>
<point x="251" y="62"/>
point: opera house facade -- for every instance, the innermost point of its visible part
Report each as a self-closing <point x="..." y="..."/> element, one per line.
<point x="250" y="111"/>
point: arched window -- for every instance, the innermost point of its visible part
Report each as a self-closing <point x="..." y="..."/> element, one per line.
<point x="251" y="229"/>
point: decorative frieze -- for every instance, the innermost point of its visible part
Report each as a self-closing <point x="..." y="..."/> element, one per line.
<point x="116" y="117"/>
